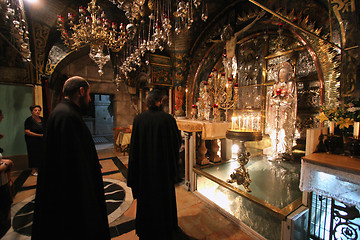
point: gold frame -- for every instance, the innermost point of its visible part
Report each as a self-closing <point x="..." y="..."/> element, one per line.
<point x="165" y="67"/>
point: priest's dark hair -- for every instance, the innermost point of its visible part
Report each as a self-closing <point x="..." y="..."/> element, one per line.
<point x="153" y="97"/>
<point x="73" y="84"/>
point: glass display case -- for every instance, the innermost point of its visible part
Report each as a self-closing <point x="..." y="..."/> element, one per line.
<point x="275" y="192"/>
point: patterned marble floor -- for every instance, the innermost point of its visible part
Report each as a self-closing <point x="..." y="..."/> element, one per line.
<point x="196" y="218"/>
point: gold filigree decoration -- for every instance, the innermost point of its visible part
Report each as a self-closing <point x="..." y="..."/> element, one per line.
<point x="343" y="5"/>
<point x="56" y="55"/>
<point x="41" y="34"/>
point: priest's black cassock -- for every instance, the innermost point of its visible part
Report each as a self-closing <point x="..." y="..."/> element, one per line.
<point x="70" y="201"/>
<point x="154" y="153"/>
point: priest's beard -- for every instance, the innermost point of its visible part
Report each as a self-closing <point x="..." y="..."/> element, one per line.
<point x="84" y="106"/>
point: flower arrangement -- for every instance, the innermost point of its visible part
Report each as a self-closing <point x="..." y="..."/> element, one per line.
<point x="344" y="116"/>
<point x="353" y="108"/>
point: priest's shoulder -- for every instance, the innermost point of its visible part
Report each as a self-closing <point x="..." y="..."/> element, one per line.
<point x="166" y="116"/>
<point x="63" y="110"/>
<point x="157" y="114"/>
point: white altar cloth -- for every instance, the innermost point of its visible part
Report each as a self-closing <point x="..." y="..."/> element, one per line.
<point x="340" y="184"/>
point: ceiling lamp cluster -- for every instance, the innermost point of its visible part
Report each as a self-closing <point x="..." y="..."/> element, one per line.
<point x="154" y="31"/>
<point x="94" y="29"/>
<point x="15" y="16"/>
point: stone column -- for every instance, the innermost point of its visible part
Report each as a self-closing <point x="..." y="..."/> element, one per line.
<point x="179" y="56"/>
<point x="192" y="159"/>
<point x="38" y="97"/>
<point x="187" y="156"/>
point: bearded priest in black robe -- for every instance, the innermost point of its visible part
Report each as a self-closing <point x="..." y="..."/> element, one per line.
<point x="70" y="201"/>
<point x="153" y="158"/>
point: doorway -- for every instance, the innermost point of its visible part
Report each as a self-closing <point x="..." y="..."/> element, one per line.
<point x="100" y="118"/>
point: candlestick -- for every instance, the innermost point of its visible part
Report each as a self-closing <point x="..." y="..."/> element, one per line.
<point x="216" y="112"/>
<point x="193" y="111"/>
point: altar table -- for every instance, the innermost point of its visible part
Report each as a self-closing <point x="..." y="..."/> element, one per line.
<point x="332" y="176"/>
<point x="209" y="131"/>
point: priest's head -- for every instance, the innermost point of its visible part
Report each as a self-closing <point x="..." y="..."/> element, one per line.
<point x="77" y="89"/>
<point x="154" y="99"/>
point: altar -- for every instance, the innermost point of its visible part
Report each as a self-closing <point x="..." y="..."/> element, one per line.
<point x="275" y="198"/>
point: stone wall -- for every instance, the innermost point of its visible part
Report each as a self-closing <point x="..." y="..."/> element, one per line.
<point x="124" y="104"/>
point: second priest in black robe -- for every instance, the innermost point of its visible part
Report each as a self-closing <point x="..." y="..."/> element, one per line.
<point x="153" y="158"/>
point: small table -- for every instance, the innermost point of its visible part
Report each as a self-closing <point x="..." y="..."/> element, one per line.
<point x="123" y="140"/>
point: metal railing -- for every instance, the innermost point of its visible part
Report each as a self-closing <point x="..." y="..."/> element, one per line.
<point x="332" y="220"/>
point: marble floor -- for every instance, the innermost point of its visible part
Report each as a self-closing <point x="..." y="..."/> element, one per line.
<point x="196" y="218"/>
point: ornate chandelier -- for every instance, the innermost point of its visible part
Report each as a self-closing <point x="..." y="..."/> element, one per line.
<point x="92" y="28"/>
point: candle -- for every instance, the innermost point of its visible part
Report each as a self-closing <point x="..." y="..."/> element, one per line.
<point x="252" y="123"/>
<point x="247" y="123"/>
<point x="233" y="123"/>
<point x="332" y="128"/>
<point x="239" y="122"/>
<point x="186" y="101"/>
<point x="356" y="130"/>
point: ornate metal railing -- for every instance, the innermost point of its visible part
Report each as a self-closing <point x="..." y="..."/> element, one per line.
<point x="333" y="220"/>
